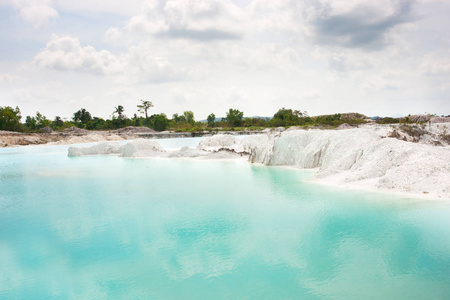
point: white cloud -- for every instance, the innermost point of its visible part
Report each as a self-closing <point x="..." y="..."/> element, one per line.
<point x="143" y="66"/>
<point x="350" y="61"/>
<point x="379" y="83"/>
<point x="259" y="55"/>
<point x="265" y="16"/>
<point x="312" y="95"/>
<point x="36" y="12"/>
<point x="364" y="24"/>
<point x="434" y="64"/>
<point x="113" y="36"/>
<point x="66" y="53"/>
<point x="138" y="65"/>
<point x="117" y="7"/>
<point x="7" y="78"/>
<point x="266" y="56"/>
<point x="196" y="20"/>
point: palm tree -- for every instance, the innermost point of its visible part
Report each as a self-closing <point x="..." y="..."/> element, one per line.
<point x="120" y="116"/>
<point x="119" y="111"/>
<point x="144" y="107"/>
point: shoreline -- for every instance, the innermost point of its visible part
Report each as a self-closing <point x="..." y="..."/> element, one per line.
<point x="366" y="159"/>
<point x="330" y="182"/>
<point x="10" y="139"/>
<point x="405" y="195"/>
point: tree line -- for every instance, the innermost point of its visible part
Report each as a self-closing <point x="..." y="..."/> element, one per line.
<point x="10" y="119"/>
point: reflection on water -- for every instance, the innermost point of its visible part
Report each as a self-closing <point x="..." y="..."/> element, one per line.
<point x="106" y="227"/>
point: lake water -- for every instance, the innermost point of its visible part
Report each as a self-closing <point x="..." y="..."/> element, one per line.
<point x="107" y="227"/>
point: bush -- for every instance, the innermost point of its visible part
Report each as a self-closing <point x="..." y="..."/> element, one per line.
<point x="10" y="118"/>
<point x="159" y="122"/>
<point x="388" y="120"/>
<point x="234" y="117"/>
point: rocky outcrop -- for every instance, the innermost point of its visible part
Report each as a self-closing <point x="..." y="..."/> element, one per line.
<point x="72" y="136"/>
<point x="98" y="149"/>
<point x="142" y="148"/>
<point x="344" y="126"/>
<point x="440" y="120"/>
<point x="427" y="118"/>
<point x="431" y="134"/>
<point x="133" y="130"/>
<point x="361" y="158"/>
<point x="77" y="130"/>
<point x="358" y="157"/>
<point x="46" y="130"/>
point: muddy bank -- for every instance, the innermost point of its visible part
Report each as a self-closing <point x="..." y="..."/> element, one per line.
<point x="77" y="136"/>
<point x="11" y="139"/>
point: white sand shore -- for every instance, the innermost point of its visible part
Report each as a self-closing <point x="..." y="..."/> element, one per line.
<point x="375" y="157"/>
<point x="13" y="139"/>
<point x="365" y="158"/>
<point x="411" y="160"/>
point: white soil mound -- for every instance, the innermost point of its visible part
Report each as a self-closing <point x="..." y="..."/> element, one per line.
<point x="361" y="157"/>
<point x="369" y="157"/>
<point x="187" y="152"/>
<point x="239" y="145"/>
<point x="142" y="148"/>
<point x="344" y="126"/>
<point x="101" y="148"/>
<point x="217" y="142"/>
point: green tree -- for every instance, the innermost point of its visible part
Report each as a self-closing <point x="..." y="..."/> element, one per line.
<point x="285" y="117"/>
<point x="257" y="122"/>
<point x="10" y="118"/>
<point x="136" y="120"/>
<point x="119" y="111"/>
<point x="211" y="120"/>
<point x="289" y="117"/>
<point x="30" y="122"/>
<point x="178" y="118"/>
<point x="189" y="116"/>
<point x="144" y="107"/>
<point x="82" y="117"/>
<point x="159" y="122"/>
<point x="95" y="123"/>
<point x="247" y="122"/>
<point x="37" y="122"/>
<point x="41" y="120"/>
<point x="121" y="118"/>
<point x="234" y="117"/>
<point x="175" y="118"/>
<point x="329" y="119"/>
<point x="57" y="122"/>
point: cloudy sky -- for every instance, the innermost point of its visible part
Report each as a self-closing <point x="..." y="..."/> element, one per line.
<point x="384" y="57"/>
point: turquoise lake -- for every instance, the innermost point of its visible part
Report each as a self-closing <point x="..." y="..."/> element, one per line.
<point x="105" y="227"/>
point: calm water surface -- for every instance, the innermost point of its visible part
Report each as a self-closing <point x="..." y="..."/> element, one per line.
<point x="108" y="227"/>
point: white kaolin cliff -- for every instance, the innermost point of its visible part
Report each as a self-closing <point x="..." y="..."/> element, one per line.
<point x="373" y="157"/>
<point x="369" y="157"/>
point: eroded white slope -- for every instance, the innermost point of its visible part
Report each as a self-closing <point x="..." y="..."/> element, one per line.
<point x="97" y="149"/>
<point x="361" y="157"/>
<point x="239" y="145"/>
<point x="142" y="148"/>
